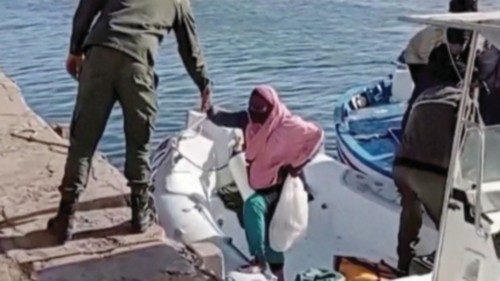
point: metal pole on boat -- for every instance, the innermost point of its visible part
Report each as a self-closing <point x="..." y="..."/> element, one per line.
<point x="464" y="102"/>
<point x="478" y="205"/>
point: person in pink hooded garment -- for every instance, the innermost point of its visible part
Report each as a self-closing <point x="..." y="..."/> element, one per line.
<point x="277" y="143"/>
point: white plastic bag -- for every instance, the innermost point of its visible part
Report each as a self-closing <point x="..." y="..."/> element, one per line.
<point x="289" y="221"/>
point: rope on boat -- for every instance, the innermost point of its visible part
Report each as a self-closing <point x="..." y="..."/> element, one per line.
<point x="192" y="127"/>
<point x="200" y="167"/>
<point x="197" y="128"/>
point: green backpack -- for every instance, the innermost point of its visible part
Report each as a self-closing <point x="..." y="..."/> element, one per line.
<point x="316" y="274"/>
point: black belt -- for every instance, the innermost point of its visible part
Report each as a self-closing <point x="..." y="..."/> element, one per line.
<point x="401" y="161"/>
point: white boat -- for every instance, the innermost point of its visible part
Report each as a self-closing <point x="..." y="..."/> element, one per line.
<point x="469" y="245"/>
<point x="352" y="214"/>
<point x="189" y="169"/>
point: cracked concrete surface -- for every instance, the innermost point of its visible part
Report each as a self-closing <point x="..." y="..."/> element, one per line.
<point x="32" y="157"/>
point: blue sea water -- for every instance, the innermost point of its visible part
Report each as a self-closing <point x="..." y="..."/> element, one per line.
<point x="311" y="51"/>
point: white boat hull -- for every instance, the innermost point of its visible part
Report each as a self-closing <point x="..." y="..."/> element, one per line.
<point x="348" y="216"/>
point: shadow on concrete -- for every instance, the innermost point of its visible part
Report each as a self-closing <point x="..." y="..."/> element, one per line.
<point x="44" y="239"/>
<point x="97" y="204"/>
<point x="160" y="262"/>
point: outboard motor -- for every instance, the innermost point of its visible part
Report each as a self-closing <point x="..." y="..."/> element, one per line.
<point x="380" y="93"/>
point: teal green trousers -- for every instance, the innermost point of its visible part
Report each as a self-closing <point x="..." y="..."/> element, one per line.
<point x="257" y="213"/>
<point x="109" y="76"/>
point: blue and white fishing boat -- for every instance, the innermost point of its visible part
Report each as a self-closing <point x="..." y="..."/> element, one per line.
<point x="368" y="124"/>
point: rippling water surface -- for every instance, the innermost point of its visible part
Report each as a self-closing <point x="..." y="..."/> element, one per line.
<point x="312" y="51"/>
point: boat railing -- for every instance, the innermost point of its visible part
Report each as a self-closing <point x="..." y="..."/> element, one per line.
<point x="480" y="168"/>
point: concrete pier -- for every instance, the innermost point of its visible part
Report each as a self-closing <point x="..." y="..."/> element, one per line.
<point x="32" y="157"/>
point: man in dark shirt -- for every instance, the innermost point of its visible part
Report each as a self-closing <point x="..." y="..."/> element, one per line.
<point x="113" y="46"/>
<point x="424" y="43"/>
<point x="433" y="57"/>
<point x="488" y="64"/>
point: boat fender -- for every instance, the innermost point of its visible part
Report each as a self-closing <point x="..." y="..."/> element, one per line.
<point x="358" y="101"/>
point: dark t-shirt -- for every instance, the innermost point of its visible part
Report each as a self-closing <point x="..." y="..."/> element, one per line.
<point x="489" y="73"/>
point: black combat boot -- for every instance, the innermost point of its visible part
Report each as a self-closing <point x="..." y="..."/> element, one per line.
<point x="62" y="225"/>
<point x="143" y="209"/>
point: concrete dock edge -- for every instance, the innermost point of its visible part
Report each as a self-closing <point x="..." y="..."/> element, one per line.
<point x="32" y="158"/>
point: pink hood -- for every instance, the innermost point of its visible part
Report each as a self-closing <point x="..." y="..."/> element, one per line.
<point x="284" y="139"/>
